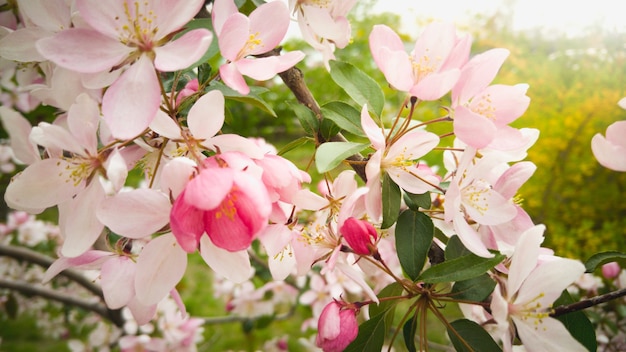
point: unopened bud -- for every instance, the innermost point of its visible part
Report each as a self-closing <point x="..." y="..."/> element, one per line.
<point x="360" y="235"/>
<point x="337" y="326"/>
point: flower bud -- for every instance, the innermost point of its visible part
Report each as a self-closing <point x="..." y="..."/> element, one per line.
<point x="610" y="270"/>
<point x="337" y="327"/>
<point x="360" y="235"/>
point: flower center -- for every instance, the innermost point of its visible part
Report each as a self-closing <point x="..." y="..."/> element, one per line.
<point x="139" y="29"/>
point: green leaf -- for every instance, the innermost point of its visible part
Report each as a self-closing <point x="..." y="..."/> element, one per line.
<point x="458" y="269"/>
<point x="455" y="248"/>
<point x="408" y="332"/>
<point x="252" y="98"/>
<point x="602" y="258"/>
<point x="392" y="290"/>
<point x="577" y="323"/>
<point x="330" y="154"/>
<point x="473" y="335"/>
<point x="310" y="123"/>
<point x="328" y="129"/>
<point x="359" y="86"/>
<point x="476" y="289"/>
<point x="294" y="144"/>
<point x="345" y="116"/>
<point x="414" y="234"/>
<point x="371" y="336"/>
<point x="416" y="201"/>
<point x="391" y="202"/>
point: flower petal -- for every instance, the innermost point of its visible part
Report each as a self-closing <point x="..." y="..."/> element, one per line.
<point x="131" y="103"/>
<point x="78" y="222"/>
<point x="160" y="266"/>
<point x="135" y="214"/>
<point x="206" y="116"/>
<point x="182" y="52"/>
<point x="117" y="280"/>
<point x="549" y="336"/>
<point x="19" y="129"/>
<point x="234" y="266"/>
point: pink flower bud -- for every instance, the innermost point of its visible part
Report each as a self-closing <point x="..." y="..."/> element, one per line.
<point x="337" y="327"/>
<point x="360" y="235"/>
<point x="610" y="270"/>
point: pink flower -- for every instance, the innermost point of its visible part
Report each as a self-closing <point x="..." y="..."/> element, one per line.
<point x="240" y="36"/>
<point x="360" y="235"/>
<point x="226" y="201"/>
<point x="431" y="69"/>
<point x="610" y="270"/>
<point x="337" y="327"/>
<point x="611" y="150"/>
<point x="125" y="32"/>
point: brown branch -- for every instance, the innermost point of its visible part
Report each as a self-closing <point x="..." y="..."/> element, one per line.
<point x="586" y="303"/>
<point x="30" y="256"/>
<point x="29" y="289"/>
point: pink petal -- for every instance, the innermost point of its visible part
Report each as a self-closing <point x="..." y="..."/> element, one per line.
<point x="372" y="130"/>
<point x="234" y="36"/>
<point x="206" y="116"/>
<point x="436" y="85"/>
<point x="83" y="50"/>
<point x="160" y="266"/>
<point x="260" y="69"/>
<point x="132" y="102"/>
<point x="89" y="259"/>
<point x="207" y="190"/>
<point x="478" y="74"/>
<point x="19" y="129"/>
<point x="234" y="143"/>
<point x="222" y="9"/>
<point x="185" y="11"/>
<point x="135" y="214"/>
<point x="561" y="273"/>
<point x="56" y="138"/>
<point x="524" y="260"/>
<point x="182" y="52"/>
<point x="234" y="266"/>
<point x="117" y="280"/>
<point x="615" y="133"/>
<point x="20" y="45"/>
<point x="397" y="68"/>
<point x="512" y="179"/>
<point x="51" y="15"/>
<point x="508" y="102"/>
<point x="383" y="36"/>
<point x="176" y="174"/>
<point x="288" y="60"/>
<point x="322" y="22"/>
<point x="469" y="237"/>
<point x="142" y="313"/>
<point x="78" y="222"/>
<point x="436" y="42"/>
<point x="42" y="185"/>
<point x="269" y="22"/>
<point x="412" y="146"/>
<point x="187" y="224"/>
<point x="473" y="129"/>
<point x="83" y="119"/>
<point x="116" y="169"/>
<point x="106" y="18"/>
<point x="165" y="126"/>
<point x="229" y="73"/>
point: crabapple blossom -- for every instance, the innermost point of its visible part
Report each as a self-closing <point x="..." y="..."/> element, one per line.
<point x="337" y="326"/>
<point x="610" y="151"/>
<point x="398" y="160"/>
<point x="611" y="270"/>
<point x="523" y="301"/>
<point x="240" y="36"/>
<point x="360" y="235"/>
<point x="224" y="200"/>
<point x="431" y="69"/>
<point x="126" y="32"/>
<point x="324" y="25"/>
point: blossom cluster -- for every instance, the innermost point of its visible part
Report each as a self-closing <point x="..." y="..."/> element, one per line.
<point x="136" y="156"/>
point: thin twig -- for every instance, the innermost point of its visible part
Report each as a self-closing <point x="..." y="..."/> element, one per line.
<point x="32" y="290"/>
<point x="586" y="303"/>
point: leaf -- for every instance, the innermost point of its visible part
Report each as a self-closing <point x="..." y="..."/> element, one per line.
<point x="330" y="154"/>
<point x="577" y="323"/>
<point x="476" y="289"/>
<point x="359" y="86"/>
<point x="416" y="201"/>
<point x="455" y="248"/>
<point x="392" y="290"/>
<point x="473" y="335"/>
<point x="345" y="116"/>
<point x="252" y="98"/>
<point x="408" y="332"/>
<point x="294" y="144"/>
<point x="307" y="118"/>
<point x="414" y="234"/>
<point x="602" y="258"/>
<point x="391" y="202"/>
<point x="458" y="269"/>
<point x="371" y="336"/>
<point x="328" y="129"/>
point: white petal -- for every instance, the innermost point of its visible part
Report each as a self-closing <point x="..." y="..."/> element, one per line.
<point x="234" y="266"/>
<point x="524" y="259"/>
<point x="176" y="174"/>
<point x="160" y="266"/>
<point x="78" y="221"/>
<point x="206" y="116"/>
<point x="19" y="129"/>
<point x="165" y="126"/>
<point x="117" y="279"/>
<point x="548" y="336"/>
<point x="135" y="214"/>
